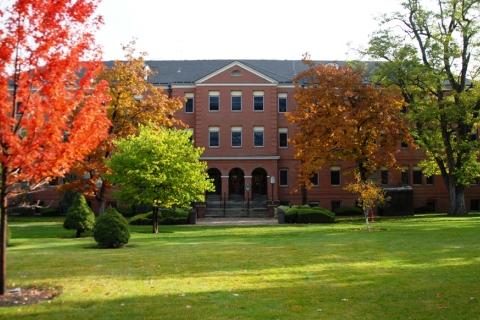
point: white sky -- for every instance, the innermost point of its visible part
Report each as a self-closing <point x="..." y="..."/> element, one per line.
<point x="242" y="29"/>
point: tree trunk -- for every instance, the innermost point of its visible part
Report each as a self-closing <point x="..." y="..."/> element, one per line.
<point x="101" y="198"/>
<point x="456" y="195"/>
<point x="78" y="233"/>
<point x="460" y="207"/>
<point x="3" y="232"/>
<point x="155" y="219"/>
<point x="304" y="195"/>
<point x="365" y="213"/>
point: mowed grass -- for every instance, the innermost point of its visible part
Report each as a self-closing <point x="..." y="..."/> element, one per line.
<point x="415" y="268"/>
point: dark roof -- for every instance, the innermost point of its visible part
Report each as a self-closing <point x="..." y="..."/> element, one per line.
<point x="189" y="71"/>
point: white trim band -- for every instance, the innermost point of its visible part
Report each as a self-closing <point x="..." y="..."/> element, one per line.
<point x="242" y="158"/>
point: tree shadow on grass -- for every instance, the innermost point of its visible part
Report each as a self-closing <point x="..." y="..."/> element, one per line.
<point x="303" y="295"/>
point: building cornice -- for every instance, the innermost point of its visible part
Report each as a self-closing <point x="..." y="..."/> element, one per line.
<point x="241" y="158"/>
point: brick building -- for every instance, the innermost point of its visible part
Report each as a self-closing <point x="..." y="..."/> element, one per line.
<point x="237" y="108"/>
<point x="237" y="112"/>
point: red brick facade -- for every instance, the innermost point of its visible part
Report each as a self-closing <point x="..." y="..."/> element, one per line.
<point x="259" y="164"/>
<point x="239" y="78"/>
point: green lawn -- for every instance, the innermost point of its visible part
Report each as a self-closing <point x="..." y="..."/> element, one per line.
<point x="415" y="268"/>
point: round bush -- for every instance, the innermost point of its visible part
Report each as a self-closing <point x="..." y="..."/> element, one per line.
<point x="79" y="216"/>
<point x="111" y="230"/>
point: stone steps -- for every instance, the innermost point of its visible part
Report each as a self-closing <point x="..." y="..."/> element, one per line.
<point x="236" y="212"/>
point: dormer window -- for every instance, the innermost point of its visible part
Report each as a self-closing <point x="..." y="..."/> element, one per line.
<point x="236" y="73"/>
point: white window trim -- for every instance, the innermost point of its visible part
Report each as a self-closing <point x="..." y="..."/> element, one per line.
<point x="236" y="129"/>
<point x="236" y="94"/>
<point x="190" y="96"/>
<point x="258" y="94"/>
<point x="214" y="94"/>
<point x="213" y="129"/>
<point x="279" y="177"/>
<point x="336" y="168"/>
<point x="417" y="169"/>
<point x="280" y="131"/>
<point x="282" y="96"/>
<point x="258" y="129"/>
<point x="318" y="180"/>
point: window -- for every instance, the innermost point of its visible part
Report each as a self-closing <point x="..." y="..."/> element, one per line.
<point x="335" y="204"/>
<point x="283" y="137"/>
<point x="417" y="175"/>
<point x="384" y="176"/>
<point x="335" y="176"/>
<point x="282" y="102"/>
<point x="257" y="100"/>
<point x="191" y="133"/>
<point x="314" y="179"/>
<point x="429" y="180"/>
<point x="236" y="136"/>
<point x="283" y="174"/>
<point x="236" y="73"/>
<point x="213" y="137"/>
<point x="258" y="136"/>
<point x="189" y="103"/>
<point x="236" y="100"/>
<point x="405" y="176"/>
<point x="431" y="205"/>
<point x="474" y="205"/>
<point x="214" y="101"/>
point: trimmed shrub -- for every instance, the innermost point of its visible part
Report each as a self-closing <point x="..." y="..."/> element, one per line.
<point x="66" y="200"/>
<point x="79" y="216"/>
<point x="111" y="230"/>
<point x="349" y="211"/>
<point x="166" y="217"/>
<point x="302" y="214"/>
<point x="142" y="219"/>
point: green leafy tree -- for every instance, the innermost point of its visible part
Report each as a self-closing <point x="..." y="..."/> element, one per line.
<point x="431" y="52"/>
<point x="134" y="101"/>
<point x="159" y="167"/>
<point x="111" y="230"/>
<point x="79" y="216"/>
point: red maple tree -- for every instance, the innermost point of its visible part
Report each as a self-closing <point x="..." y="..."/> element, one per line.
<point x="52" y="111"/>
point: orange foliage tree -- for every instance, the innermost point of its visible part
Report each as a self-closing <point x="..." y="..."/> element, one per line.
<point x="342" y="117"/>
<point x="134" y="102"/>
<point x="52" y="111"/>
<point x="370" y="195"/>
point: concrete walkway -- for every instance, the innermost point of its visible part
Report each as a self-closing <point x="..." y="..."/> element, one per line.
<point x="236" y="221"/>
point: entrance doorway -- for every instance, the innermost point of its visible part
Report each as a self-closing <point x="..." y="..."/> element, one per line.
<point x="236" y="183"/>
<point x="216" y="176"/>
<point x="259" y="184"/>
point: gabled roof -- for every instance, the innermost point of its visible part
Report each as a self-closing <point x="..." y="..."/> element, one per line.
<point x="191" y="71"/>
<point x="240" y="65"/>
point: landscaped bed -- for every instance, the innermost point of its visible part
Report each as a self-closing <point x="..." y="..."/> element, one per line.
<point x="409" y="268"/>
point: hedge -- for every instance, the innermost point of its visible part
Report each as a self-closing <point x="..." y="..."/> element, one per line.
<point x="166" y="217"/>
<point x="349" y="211"/>
<point x="306" y="214"/>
